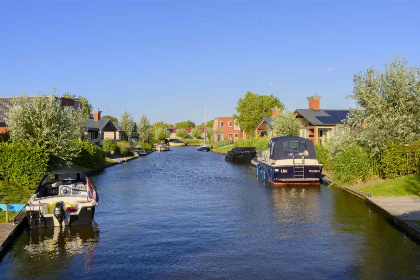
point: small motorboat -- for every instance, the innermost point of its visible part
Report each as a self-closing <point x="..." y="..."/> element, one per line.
<point x="203" y="148"/>
<point x="290" y="160"/>
<point x="161" y="147"/>
<point x="63" y="198"/>
<point x="241" y="155"/>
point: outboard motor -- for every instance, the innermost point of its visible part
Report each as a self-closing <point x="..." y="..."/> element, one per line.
<point x="60" y="211"/>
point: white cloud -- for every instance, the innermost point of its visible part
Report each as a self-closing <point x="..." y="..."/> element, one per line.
<point x="330" y="69"/>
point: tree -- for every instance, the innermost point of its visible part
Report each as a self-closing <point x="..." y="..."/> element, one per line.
<point x="186" y="124"/>
<point x="210" y="124"/>
<point x="143" y="128"/>
<point x="160" y="133"/>
<point x="86" y="107"/>
<point x="43" y="121"/>
<point x="218" y="132"/>
<point x="113" y="119"/>
<point x="253" y="107"/>
<point x="196" y="133"/>
<point x="388" y="105"/>
<point x="285" y="124"/>
<point x="182" y="133"/>
<point x="127" y="123"/>
<point x="209" y="133"/>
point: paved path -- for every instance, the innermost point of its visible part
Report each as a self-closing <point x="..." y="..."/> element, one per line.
<point x="397" y="206"/>
<point x="5" y="230"/>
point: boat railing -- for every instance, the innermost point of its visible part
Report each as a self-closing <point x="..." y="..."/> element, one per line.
<point x="19" y="217"/>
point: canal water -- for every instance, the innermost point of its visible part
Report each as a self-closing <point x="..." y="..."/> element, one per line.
<point x="185" y="214"/>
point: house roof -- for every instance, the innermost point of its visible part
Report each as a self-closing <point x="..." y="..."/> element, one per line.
<point x="5" y="102"/>
<point x="268" y="120"/>
<point x="91" y="124"/>
<point x="117" y="126"/>
<point x="323" y="117"/>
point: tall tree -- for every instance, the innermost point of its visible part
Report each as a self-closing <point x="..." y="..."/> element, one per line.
<point x="114" y="119"/>
<point x="43" y="121"/>
<point x="182" y="133"/>
<point x="127" y="123"/>
<point x="285" y="124"/>
<point x="196" y="133"/>
<point x="253" y="107"/>
<point x="388" y="105"/>
<point x="186" y="124"/>
<point x="143" y="128"/>
<point x="86" y="106"/>
<point x="160" y="133"/>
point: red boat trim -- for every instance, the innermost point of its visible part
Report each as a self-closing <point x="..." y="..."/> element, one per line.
<point x="284" y="184"/>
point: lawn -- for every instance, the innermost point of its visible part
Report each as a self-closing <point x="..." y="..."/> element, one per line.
<point x="3" y="216"/>
<point x="408" y="186"/>
<point x="223" y="150"/>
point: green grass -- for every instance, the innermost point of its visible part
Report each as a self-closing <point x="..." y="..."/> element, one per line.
<point x="3" y="216"/>
<point x="223" y="151"/>
<point x="14" y="194"/>
<point x="260" y="144"/>
<point x="408" y="186"/>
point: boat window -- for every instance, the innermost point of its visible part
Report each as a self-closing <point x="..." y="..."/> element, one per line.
<point x="295" y="145"/>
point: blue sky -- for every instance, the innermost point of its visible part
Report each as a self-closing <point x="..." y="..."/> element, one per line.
<point x="169" y="59"/>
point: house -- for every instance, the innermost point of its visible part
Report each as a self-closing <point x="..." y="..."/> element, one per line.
<point x="318" y="124"/>
<point x="265" y="126"/>
<point x="6" y="102"/>
<point x="172" y="132"/>
<point x="229" y="129"/>
<point x="98" y="129"/>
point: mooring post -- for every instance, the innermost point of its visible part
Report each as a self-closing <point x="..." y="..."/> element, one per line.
<point x="7" y="213"/>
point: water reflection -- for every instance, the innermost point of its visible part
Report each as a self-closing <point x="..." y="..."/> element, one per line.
<point x="54" y="245"/>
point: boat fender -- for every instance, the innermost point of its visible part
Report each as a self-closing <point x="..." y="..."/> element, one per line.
<point x="264" y="174"/>
<point x="258" y="171"/>
<point x="50" y="208"/>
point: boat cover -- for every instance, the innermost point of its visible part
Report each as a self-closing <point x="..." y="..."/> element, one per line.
<point x="288" y="147"/>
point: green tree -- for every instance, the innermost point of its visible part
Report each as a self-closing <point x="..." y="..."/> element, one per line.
<point x="143" y="128"/>
<point x="43" y="121"/>
<point x="218" y="133"/>
<point x="285" y="124"/>
<point x="160" y="133"/>
<point x="196" y="133"/>
<point x="253" y="107"/>
<point x="86" y="106"/>
<point x="186" y="124"/>
<point x="209" y="133"/>
<point x="182" y="133"/>
<point x="210" y="124"/>
<point x="114" y="119"/>
<point x="127" y="123"/>
<point x="388" y="105"/>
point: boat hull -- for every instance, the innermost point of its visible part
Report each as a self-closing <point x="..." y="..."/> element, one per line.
<point x="83" y="217"/>
<point x="203" y="149"/>
<point x="280" y="176"/>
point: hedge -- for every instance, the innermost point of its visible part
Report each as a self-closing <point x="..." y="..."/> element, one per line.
<point x="124" y="147"/>
<point x="400" y="159"/>
<point x="90" y="155"/>
<point x="323" y="155"/>
<point x="23" y="164"/>
<point x="109" y="145"/>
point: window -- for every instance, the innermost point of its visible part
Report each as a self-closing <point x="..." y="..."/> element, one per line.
<point x="221" y="124"/>
<point x="230" y="123"/>
<point x="230" y="135"/>
<point x="236" y="135"/>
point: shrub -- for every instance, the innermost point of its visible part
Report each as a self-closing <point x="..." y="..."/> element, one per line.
<point x="323" y="155"/>
<point x="400" y="159"/>
<point x="352" y="165"/>
<point x="260" y="144"/>
<point x="193" y="142"/>
<point x="124" y="147"/>
<point x="222" y="143"/>
<point x="182" y="133"/>
<point x="90" y="155"/>
<point x="143" y="145"/>
<point x="196" y="133"/>
<point x="109" y="145"/>
<point x="23" y="164"/>
<point x="5" y="136"/>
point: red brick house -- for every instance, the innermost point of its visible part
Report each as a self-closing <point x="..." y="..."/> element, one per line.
<point x="229" y="127"/>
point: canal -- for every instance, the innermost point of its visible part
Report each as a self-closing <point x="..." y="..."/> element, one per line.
<point x="185" y="214"/>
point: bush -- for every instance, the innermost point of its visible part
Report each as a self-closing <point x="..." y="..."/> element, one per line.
<point x="400" y="159"/>
<point x="218" y="144"/>
<point x="90" y="155"/>
<point x="109" y="145"/>
<point x="5" y="136"/>
<point x="124" y="147"/>
<point x="23" y="164"/>
<point x="352" y="165"/>
<point x="193" y="142"/>
<point x="182" y="133"/>
<point x="323" y="155"/>
<point x="143" y="145"/>
<point x="260" y="144"/>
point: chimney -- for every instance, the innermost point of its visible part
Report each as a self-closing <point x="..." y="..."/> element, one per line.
<point x="275" y="111"/>
<point x="97" y="115"/>
<point x="314" y="101"/>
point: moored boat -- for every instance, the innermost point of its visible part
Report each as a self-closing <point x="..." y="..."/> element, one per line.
<point x="175" y="143"/>
<point x="63" y="198"/>
<point x="290" y="161"/>
<point x="241" y="155"/>
<point x="161" y="147"/>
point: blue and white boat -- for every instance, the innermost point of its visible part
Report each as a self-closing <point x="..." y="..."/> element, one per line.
<point x="290" y="160"/>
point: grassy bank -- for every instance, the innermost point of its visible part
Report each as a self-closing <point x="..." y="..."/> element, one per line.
<point x="3" y="216"/>
<point x="408" y="186"/>
<point x="223" y="150"/>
